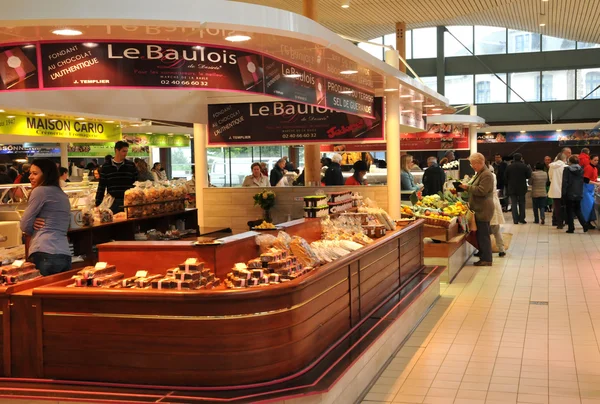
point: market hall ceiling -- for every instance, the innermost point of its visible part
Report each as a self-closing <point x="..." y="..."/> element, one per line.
<point x="367" y="19"/>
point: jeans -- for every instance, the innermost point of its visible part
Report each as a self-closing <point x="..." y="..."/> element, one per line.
<point x="558" y="214"/>
<point x="117" y="206"/>
<point x="484" y="240"/>
<point x="518" y="214"/>
<point x="574" y="210"/>
<point x="498" y="236"/>
<point x="50" y="264"/>
<point x="539" y="208"/>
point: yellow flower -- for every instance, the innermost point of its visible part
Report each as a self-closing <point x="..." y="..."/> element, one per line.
<point x="265" y="195"/>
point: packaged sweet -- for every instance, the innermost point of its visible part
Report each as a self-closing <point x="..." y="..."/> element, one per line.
<point x="93" y="272"/>
<point x="23" y="276"/>
<point x="305" y="255"/>
<point x="164" y="283"/>
<point x="282" y="241"/>
<point x="188" y="284"/>
<point x="265" y="242"/>
<point x="255" y="263"/>
<point x="192" y="264"/>
<point x="143" y="283"/>
<point x="13" y="270"/>
<point x="108" y="279"/>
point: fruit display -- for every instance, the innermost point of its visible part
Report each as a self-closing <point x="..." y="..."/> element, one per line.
<point x="407" y="211"/>
<point x="265" y="226"/>
<point x="457" y="209"/>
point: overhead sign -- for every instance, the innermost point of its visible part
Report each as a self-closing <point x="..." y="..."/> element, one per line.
<point x="58" y="128"/>
<point x="49" y="65"/>
<point x="103" y="149"/>
<point x="156" y="140"/>
<point x="565" y="138"/>
<point x="289" y="122"/>
<point x="25" y="149"/>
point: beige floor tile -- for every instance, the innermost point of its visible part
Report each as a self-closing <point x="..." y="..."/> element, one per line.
<point x="533" y="398"/>
<point x="408" y="399"/>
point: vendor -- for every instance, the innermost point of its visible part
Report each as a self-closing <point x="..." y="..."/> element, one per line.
<point x="117" y="177"/>
<point x="360" y="171"/>
<point x="408" y="181"/>
<point x="47" y="219"/>
<point x="278" y="172"/>
<point x="257" y="179"/>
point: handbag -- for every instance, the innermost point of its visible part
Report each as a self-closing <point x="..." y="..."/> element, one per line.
<point x="471" y="222"/>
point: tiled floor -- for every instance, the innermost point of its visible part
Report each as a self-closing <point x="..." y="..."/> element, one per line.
<point x="526" y="330"/>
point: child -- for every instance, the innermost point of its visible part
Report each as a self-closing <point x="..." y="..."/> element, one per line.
<point x="539" y="195"/>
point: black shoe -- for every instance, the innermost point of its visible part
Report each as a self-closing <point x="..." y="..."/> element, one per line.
<point x="523" y="222"/>
<point x="502" y="254"/>
<point x="536" y="222"/>
<point x="477" y="254"/>
<point x="516" y="222"/>
<point x="570" y="231"/>
<point x="560" y="227"/>
<point x="585" y="229"/>
<point x="543" y="222"/>
<point x="483" y="264"/>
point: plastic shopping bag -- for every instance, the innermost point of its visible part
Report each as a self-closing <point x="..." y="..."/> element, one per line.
<point x="587" y="203"/>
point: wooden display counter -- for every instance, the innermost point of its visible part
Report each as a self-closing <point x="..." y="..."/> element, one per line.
<point x="212" y="337"/>
<point x="452" y="254"/>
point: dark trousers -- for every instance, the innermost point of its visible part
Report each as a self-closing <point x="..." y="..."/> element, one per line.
<point x="117" y="206"/>
<point x="558" y="214"/>
<point x="574" y="210"/>
<point x="50" y="264"/>
<point x="484" y="240"/>
<point x="539" y="208"/>
<point x="518" y="214"/>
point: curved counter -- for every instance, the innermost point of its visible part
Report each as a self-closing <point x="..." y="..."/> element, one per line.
<point x="215" y="337"/>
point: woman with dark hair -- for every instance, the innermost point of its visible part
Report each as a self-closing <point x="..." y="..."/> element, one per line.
<point x="47" y="219"/>
<point x="256" y="179"/>
<point x="143" y="173"/>
<point x="358" y="178"/>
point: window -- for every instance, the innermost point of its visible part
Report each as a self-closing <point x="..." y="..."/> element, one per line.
<point x="525" y="85"/>
<point x="430" y="82"/>
<point x="374" y="50"/>
<point x="587" y="45"/>
<point x="550" y="43"/>
<point x="409" y="52"/>
<point x="390" y="40"/>
<point x="558" y="85"/>
<point x="452" y="47"/>
<point x="490" y="40"/>
<point x="490" y="89"/>
<point x="587" y="81"/>
<point x="424" y="43"/>
<point x="181" y="162"/>
<point x="522" y="41"/>
<point x="459" y="89"/>
<point x="218" y="166"/>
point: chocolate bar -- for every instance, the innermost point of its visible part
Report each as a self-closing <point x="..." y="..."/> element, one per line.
<point x="255" y="263"/>
<point x="267" y="257"/>
<point x="128" y="282"/>
<point x="245" y="274"/>
<point x="250" y="70"/>
<point x="188" y="284"/>
<point x="13" y="270"/>
<point x="15" y="67"/>
<point x="239" y="283"/>
<point x="164" y="283"/>
<point x="145" y="282"/>
<point x="101" y="281"/>
<point x="24" y="276"/>
<point x="264" y="279"/>
<point x="257" y="273"/>
<point x="191" y="267"/>
<point x="253" y="282"/>
<point x="205" y="272"/>
<point x="273" y="278"/>
<point x="184" y="276"/>
<point x="80" y="282"/>
<point x="216" y="282"/>
<point x="92" y="272"/>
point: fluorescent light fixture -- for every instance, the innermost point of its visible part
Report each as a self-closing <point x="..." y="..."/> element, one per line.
<point x="67" y="32"/>
<point x="346" y="92"/>
<point x="345" y="3"/>
<point x="292" y="76"/>
<point x="40" y="114"/>
<point x="417" y="101"/>
<point x="80" y="119"/>
<point x="559" y="130"/>
<point x="238" y="38"/>
<point x="488" y="133"/>
<point x="10" y="116"/>
<point x="389" y="90"/>
<point x="109" y="121"/>
<point x="428" y="106"/>
<point x="523" y="131"/>
<point x="90" y="44"/>
<point x="349" y="72"/>
<point x="29" y="46"/>
<point x="436" y="109"/>
<point x="405" y="96"/>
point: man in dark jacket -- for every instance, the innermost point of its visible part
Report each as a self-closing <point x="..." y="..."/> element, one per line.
<point x="277" y="173"/>
<point x="333" y="175"/>
<point x="572" y="193"/>
<point x="516" y="177"/>
<point x="13" y="172"/>
<point x="117" y="177"/>
<point x="500" y="167"/>
<point x="4" y="178"/>
<point x="433" y="178"/>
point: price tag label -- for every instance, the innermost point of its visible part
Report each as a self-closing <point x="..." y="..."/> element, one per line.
<point x="141" y="274"/>
<point x="100" y="265"/>
<point x="191" y="261"/>
<point x="18" y="263"/>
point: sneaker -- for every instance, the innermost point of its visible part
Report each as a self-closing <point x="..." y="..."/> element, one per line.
<point x="502" y="254"/>
<point x="483" y="264"/>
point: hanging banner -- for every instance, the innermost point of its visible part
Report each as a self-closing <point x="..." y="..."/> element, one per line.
<point x="37" y="150"/>
<point x="59" y="128"/>
<point x="157" y="140"/>
<point x="289" y="122"/>
<point x="94" y="65"/>
<point x="564" y="138"/>
<point x="103" y="149"/>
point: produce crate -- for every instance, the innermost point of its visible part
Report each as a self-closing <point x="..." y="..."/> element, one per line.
<point x="441" y="233"/>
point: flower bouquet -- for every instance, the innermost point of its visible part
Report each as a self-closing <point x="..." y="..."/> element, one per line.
<point x="265" y="200"/>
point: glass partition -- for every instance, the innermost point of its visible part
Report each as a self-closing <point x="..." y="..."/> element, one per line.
<point x="587" y="82"/>
<point x="550" y="43"/>
<point x="587" y="45"/>
<point x="430" y="82"/>
<point x="424" y="43"/>
<point x="217" y="166"/>
<point x="459" y="89"/>
<point x="523" y="41"/>
<point x="181" y="162"/>
<point x="452" y="47"/>
<point x="527" y="84"/>
<point x="490" y="89"/>
<point x="558" y="85"/>
<point x="490" y="40"/>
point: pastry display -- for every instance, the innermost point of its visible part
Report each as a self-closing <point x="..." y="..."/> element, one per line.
<point x="154" y="198"/>
<point x="314" y="200"/>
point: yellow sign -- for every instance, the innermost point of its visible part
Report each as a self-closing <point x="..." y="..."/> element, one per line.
<point x="59" y="128"/>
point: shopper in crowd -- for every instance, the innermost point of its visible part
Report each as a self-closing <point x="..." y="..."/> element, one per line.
<point x="497" y="220"/>
<point x="547" y="162"/>
<point x="584" y="157"/>
<point x="567" y="152"/>
<point x="46" y="220"/>
<point x="499" y="166"/>
<point x="516" y="177"/>
<point x="590" y="179"/>
<point x="4" y="178"/>
<point x="143" y="173"/>
<point x="555" y="191"/>
<point x="256" y="179"/>
<point x="13" y="172"/>
<point x="481" y="201"/>
<point x="264" y="169"/>
<point x="450" y="156"/>
<point x="107" y="159"/>
<point x="24" y="177"/>
<point x="407" y="179"/>
<point x="360" y="171"/>
<point x="117" y="177"/>
<point x="158" y="172"/>
<point x="289" y="166"/>
<point x="572" y="193"/>
<point x="433" y="178"/>
<point x="64" y="176"/>
<point x="277" y="173"/>
<point x="539" y="179"/>
<point x="416" y="166"/>
<point x="333" y="175"/>
<point x="92" y="165"/>
<point x="96" y="175"/>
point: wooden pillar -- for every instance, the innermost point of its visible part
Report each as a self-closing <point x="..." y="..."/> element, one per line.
<point x="312" y="153"/>
<point x="200" y="168"/>
<point x="473" y="131"/>
<point x="401" y="43"/>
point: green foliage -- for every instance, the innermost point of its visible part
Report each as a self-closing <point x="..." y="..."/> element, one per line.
<point x="264" y="199"/>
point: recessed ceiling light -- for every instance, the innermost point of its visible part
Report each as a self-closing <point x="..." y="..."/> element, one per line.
<point x="10" y="116"/>
<point x="349" y="72"/>
<point x="346" y="92"/>
<point x="29" y="46"/>
<point x="436" y="109"/>
<point x="429" y="106"/>
<point x="40" y="114"/>
<point x="238" y="38"/>
<point x="559" y="130"/>
<point x="292" y="76"/>
<point x="388" y="90"/>
<point x="148" y="133"/>
<point x="53" y="120"/>
<point x="80" y="119"/>
<point x="67" y="32"/>
<point x="488" y="133"/>
<point x="523" y="131"/>
<point x="543" y="20"/>
<point x="346" y="4"/>
<point x="90" y="44"/>
<point x="417" y="100"/>
<point x="405" y="96"/>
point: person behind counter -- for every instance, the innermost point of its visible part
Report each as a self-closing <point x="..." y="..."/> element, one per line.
<point x="360" y="171"/>
<point x="47" y="219"/>
<point x="481" y="201"/>
<point x="408" y="181"/>
<point x="13" y="172"/>
<point x="117" y="177"/>
<point x="143" y="173"/>
<point x="24" y="177"/>
<point x="433" y="178"/>
<point x="158" y="173"/>
<point x="64" y="176"/>
<point x="4" y="178"/>
<point x="257" y="179"/>
<point x="277" y="173"/>
<point x="333" y="175"/>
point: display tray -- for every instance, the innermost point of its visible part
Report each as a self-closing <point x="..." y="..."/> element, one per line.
<point x="214" y="337"/>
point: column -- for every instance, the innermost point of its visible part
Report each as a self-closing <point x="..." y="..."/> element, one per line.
<point x="200" y="168"/>
<point x="441" y="61"/>
<point x="473" y="131"/>
<point x="401" y="43"/>
<point x="392" y="138"/>
<point x="312" y="153"/>
<point x="64" y="155"/>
